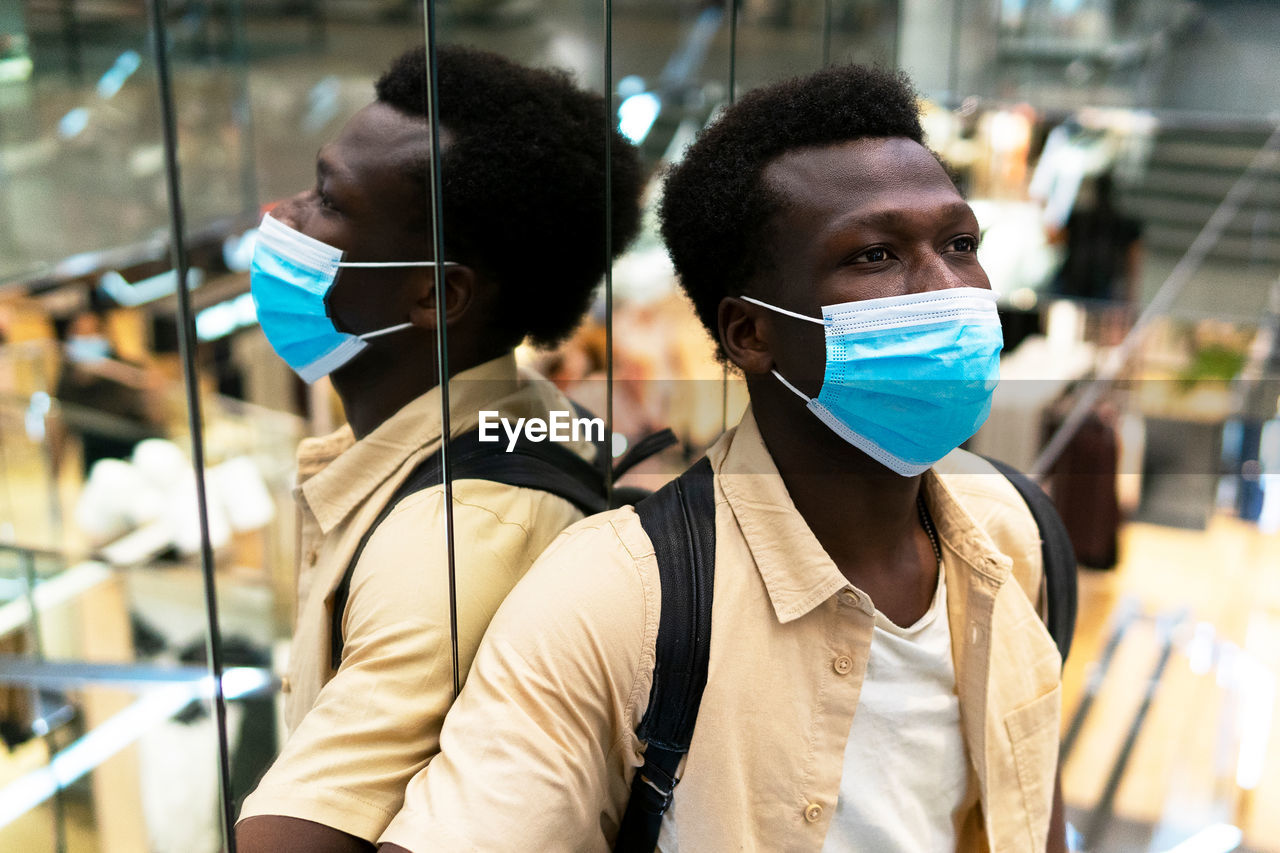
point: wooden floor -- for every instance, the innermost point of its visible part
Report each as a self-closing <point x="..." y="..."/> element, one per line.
<point x="1214" y="708"/>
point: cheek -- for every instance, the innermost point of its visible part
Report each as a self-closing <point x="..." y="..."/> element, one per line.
<point x="858" y="283"/>
<point x="978" y="277"/>
<point x="353" y="301"/>
<point x="342" y="302"/>
<point x="327" y="228"/>
<point x="367" y="300"/>
<point x="800" y="354"/>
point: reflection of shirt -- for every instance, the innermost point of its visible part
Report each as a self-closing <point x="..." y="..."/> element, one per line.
<point x="539" y="752"/>
<point x="359" y="734"/>
<point x="905" y="769"/>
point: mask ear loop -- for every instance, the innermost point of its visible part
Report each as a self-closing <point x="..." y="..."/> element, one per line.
<point x="383" y="264"/>
<point x="783" y="380"/>
<point x="821" y="321"/>
<point x="388" y="330"/>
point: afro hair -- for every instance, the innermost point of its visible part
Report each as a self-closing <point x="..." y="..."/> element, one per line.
<point x="716" y="206"/>
<point x="524" y="182"/>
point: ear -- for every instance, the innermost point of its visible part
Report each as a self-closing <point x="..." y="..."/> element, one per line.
<point x="460" y="285"/>
<point x="745" y="333"/>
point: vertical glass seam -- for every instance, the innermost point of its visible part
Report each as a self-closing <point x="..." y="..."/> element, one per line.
<point x="442" y="330"/>
<point x="826" y="33"/>
<point x="607" y="462"/>
<point x="186" y="345"/>
<point x="733" y="94"/>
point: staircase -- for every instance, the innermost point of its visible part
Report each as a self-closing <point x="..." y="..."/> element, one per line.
<point x="1189" y="172"/>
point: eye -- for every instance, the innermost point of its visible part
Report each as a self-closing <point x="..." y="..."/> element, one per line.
<point x="326" y="200"/>
<point x="874" y="255"/>
<point x="965" y="244"/>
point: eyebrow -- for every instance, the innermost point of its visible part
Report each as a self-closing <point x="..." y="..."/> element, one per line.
<point x="327" y="168"/>
<point x="897" y="218"/>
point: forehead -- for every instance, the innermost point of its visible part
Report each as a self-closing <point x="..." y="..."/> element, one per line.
<point x="377" y="144"/>
<point x="863" y="176"/>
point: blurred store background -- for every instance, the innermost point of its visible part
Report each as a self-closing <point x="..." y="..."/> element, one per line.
<point x="1123" y="157"/>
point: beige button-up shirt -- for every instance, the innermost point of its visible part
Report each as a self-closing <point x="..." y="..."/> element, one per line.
<point x="539" y="751"/>
<point x="359" y="735"/>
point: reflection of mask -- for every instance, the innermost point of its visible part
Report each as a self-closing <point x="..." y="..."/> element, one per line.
<point x="88" y="348"/>
<point x="908" y="378"/>
<point x="290" y="278"/>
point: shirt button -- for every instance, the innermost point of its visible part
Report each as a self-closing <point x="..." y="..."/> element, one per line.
<point x="311" y="558"/>
<point x="812" y="812"/>
<point x="843" y="665"/>
<point x="850" y="597"/>
<point x="285" y="684"/>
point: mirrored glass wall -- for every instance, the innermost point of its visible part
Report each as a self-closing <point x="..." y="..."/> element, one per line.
<point x="179" y="511"/>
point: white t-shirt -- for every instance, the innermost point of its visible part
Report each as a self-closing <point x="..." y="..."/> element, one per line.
<point x="905" y="768"/>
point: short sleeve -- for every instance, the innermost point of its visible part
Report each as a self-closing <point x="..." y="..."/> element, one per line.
<point x="541" y="743"/>
<point x="377" y="721"/>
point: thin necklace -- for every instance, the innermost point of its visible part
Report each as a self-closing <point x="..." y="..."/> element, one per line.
<point x="927" y="523"/>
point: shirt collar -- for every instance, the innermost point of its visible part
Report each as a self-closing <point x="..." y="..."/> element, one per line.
<point x="316" y="452"/>
<point x="958" y="530"/>
<point x="795" y="568"/>
<point x="362" y="466"/>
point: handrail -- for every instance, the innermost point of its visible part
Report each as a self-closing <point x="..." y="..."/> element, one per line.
<point x="19" y="404"/>
<point x="117" y="732"/>
<point x="152" y="248"/>
<point x="35" y="551"/>
<point x="1165" y="118"/>
<point x="75" y="675"/>
<point x="61" y="588"/>
<point x="1173" y="284"/>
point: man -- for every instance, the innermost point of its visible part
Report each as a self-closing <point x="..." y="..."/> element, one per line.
<point x="879" y="677"/>
<point x="523" y="170"/>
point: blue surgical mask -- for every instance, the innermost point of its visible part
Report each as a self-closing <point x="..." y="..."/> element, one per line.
<point x="86" y="349"/>
<point x="908" y="378"/>
<point x="290" y="278"/>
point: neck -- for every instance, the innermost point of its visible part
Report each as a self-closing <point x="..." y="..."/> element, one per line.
<point x="381" y="382"/>
<point x="863" y="514"/>
<point x="371" y="396"/>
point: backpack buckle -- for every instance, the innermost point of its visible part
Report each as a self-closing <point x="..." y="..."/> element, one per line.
<point x="661" y="784"/>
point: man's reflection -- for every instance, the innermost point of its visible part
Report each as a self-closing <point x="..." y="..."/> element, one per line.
<point x="523" y="172"/>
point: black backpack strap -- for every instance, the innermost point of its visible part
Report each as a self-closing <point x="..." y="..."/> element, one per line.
<point x="1058" y="556"/>
<point x="680" y="520"/>
<point x="650" y="445"/>
<point x="546" y="466"/>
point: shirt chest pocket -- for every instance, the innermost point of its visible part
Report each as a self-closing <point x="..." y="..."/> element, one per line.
<point x="1033" y="735"/>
